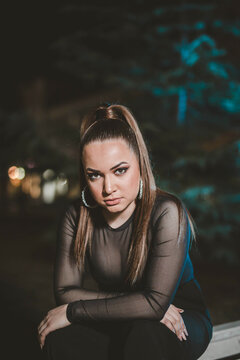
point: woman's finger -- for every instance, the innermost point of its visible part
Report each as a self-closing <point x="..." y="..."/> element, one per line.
<point x="183" y="325"/>
<point x="176" y="310"/>
<point x="43" y="321"/>
<point x="41" y="339"/>
<point x="42" y="328"/>
<point x="42" y="331"/>
<point x="175" y="307"/>
<point x="170" y="326"/>
<point x="43" y="335"/>
<point x="42" y="325"/>
<point x="184" y="329"/>
<point x="179" y="309"/>
<point x="179" y="323"/>
<point x="175" y="314"/>
<point x="175" y="322"/>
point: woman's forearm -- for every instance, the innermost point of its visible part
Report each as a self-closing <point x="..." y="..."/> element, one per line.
<point x="70" y="294"/>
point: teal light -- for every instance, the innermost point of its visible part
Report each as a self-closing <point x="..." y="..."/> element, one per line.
<point x="217" y="23"/>
<point x="137" y="70"/>
<point x="199" y="25"/>
<point x="192" y="59"/>
<point x="217" y="69"/>
<point x="231" y="198"/>
<point x="182" y="106"/>
<point x="162" y="29"/>
<point x="157" y="91"/>
<point x="230" y="106"/>
<point x="234" y="30"/>
<point x="195" y="192"/>
<point x="159" y="11"/>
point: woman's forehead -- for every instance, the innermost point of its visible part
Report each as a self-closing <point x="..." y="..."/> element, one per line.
<point x="107" y="146"/>
<point x="107" y="151"/>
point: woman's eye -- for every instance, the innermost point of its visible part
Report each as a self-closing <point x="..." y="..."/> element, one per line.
<point x="122" y="170"/>
<point x="92" y="176"/>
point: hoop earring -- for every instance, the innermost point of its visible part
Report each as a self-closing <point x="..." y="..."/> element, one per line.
<point x="140" y="189"/>
<point x="84" y="200"/>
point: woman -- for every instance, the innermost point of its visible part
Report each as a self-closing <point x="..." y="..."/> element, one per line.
<point x="135" y="239"/>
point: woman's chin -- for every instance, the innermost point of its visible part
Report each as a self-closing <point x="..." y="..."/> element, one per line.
<point x="114" y="208"/>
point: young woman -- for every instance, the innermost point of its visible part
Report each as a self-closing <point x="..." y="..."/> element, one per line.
<point x="135" y="239"/>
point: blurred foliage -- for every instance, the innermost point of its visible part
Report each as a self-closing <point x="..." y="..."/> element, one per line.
<point x="179" y="49"/>
<point x="208" y="183"/>
<point x="177" y="67"/>
<point x="203" y="170"/>
<point x="175" y="63"/>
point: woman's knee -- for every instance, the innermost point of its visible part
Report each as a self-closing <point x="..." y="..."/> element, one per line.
<point x="143" y="323"/>
<point x="58" y="337"/>
<point x="57" y="343"/>
<point x="143" y="329"/>
<point x="146" y="325"/>
<point x="151" y="339"/>
<point x="51" y="338"/>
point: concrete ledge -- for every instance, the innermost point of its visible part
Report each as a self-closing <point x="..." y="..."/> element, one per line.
<point x="225" y="342"/>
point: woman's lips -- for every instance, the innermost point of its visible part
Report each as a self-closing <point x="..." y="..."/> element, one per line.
<point x="113" y="202"/>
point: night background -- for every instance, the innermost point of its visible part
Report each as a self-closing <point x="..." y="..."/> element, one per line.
<point x="175" y="64"/>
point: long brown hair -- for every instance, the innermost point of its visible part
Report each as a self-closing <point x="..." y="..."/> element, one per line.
<point x="116" y="121"/>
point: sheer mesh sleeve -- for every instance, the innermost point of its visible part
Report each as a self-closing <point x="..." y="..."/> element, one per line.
<point x="68" y="279"/>
<point x="162" y="274"/>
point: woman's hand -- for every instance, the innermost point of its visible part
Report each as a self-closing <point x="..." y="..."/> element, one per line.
<point x="174" y="321"/>
<point x="55" y="319"/>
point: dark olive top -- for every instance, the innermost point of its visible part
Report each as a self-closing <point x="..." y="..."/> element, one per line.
<point x="168" y="276"/>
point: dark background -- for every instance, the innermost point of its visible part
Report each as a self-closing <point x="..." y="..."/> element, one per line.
<point x="176" y="65"/>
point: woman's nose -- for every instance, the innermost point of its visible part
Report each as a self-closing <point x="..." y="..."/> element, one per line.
<point x="109" y="185"/>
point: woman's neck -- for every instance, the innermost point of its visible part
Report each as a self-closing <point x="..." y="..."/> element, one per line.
<point x="117" y="219"/>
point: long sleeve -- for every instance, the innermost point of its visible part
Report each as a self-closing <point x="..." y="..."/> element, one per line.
<point x="163" y="271"/>
<point x="68" y="279"/>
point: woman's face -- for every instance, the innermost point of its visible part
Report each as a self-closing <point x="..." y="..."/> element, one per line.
<point x="112" y="172"/>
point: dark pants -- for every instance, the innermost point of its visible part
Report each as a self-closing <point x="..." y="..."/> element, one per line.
<point x="128" y="340"/>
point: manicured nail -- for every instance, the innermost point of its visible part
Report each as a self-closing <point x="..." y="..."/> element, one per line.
<point x="183" y="335"/>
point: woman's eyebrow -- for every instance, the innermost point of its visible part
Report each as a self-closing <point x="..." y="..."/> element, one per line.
<point x="114" y="167"/>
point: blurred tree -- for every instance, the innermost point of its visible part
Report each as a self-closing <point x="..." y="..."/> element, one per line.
<point x="176" y="65"/>
<point x="179" y="58"/>
<point x="177" y="52"/>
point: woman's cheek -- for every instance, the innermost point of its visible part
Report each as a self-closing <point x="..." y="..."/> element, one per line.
<point x="132" y="184"/>
<point x="95" y="190"/>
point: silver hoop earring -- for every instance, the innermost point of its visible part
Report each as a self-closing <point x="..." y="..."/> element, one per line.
<point x="140" y="189"/>
<point x="84" y="200"/>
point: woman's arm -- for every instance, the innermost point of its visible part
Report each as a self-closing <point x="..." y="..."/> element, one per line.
<point x="163" y="274"/>
<point x="68" y="279"/>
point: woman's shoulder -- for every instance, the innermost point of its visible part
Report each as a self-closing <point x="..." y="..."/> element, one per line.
<point x="165" y="202"/>
<point x="71" y="210"/>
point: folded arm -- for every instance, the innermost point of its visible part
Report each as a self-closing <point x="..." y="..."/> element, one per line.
<point x="163" y="272"/>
